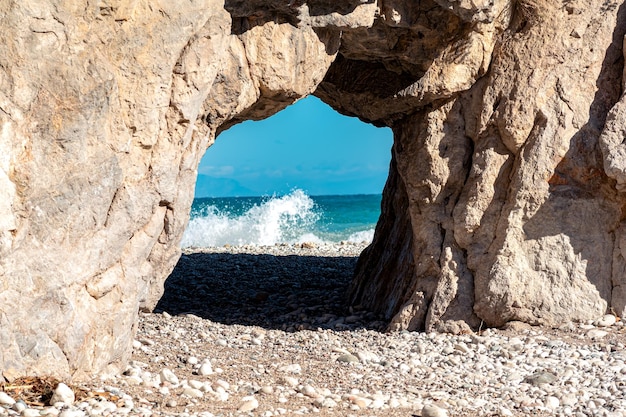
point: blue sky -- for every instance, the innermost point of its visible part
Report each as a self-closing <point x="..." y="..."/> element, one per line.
<point x="307" y="146"/>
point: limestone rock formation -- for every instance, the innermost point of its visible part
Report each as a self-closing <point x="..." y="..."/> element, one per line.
<point x="512" y="187"/>
<point x="105" y="110"/>
<point x="505" y="194"/>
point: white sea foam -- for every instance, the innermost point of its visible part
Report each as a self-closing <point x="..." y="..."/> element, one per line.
<point x="363" y="236"/>
<point x="309" y="237"/>
<point x="293" y="218"/>
<point x="279" y="219"/>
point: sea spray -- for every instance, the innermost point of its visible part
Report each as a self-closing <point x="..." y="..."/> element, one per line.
<point x="295" y="217"/>
<point x="275" y="220"/>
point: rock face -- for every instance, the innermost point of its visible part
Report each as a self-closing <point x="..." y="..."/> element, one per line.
<point x="105" y="110"/>
<point x="511" y="187"/>
<point x="505" y="194"/>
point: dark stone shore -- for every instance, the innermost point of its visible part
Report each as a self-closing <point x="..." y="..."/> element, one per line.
<point x="270" y="287"/>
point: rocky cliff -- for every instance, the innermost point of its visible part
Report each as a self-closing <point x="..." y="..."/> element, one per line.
<point x="505" y="194"/>
<point x="511" y="187"/>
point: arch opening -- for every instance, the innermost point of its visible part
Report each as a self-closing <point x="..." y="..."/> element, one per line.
<point x="304" y="174"/>
<point x="282" y="210"/>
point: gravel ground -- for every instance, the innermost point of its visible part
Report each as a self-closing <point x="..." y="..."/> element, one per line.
<point x="265" y="331"/>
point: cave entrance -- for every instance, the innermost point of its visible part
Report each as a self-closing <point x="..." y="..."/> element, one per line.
<point x="306" y="174"/>
<point x="270" y="197"/>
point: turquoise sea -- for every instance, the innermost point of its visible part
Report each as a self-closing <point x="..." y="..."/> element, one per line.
<point x="292" y="218"/>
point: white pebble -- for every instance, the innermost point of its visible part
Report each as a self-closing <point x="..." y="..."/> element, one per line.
<point x="596" y="334"/>
<point x="196" y="384"/>
<point x="5" y="399"/>
<point x="221" y="383"/>
<point x="62" y="394"/>
<point x="205" y="369"/>
<point x="377" y="403"/>
<point x="169" y="376"/>
<point x="134" y="380"/>
<point x="249" y="404"/>
<point x="360" y="402"/>
<point x="267" y="389"/>
<point x="309" y="391"/>
<point x="220" y="394"/>
<point x="367" y="356"/>
<point x="432" y="410"/>
<point x="293" y="368"/>
<point x="552" y="402"/>
<point x="569" y="400"/>
<point x="505" y="412"/>
<point x="291" y="381"/>
<point x="30" y="412"/>
<point x="462" y="347"/>
<point x="192" y="392"/>
<point x="19" y="406"/>
<point x="325" y="402"/>
<point x="606" y="321"/>
<point x="348" y="358"/>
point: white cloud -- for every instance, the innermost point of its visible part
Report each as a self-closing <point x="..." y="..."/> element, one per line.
<point x="217" y="171"/>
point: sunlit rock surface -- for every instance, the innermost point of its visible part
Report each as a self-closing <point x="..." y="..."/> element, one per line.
<point x="505" y="194"/>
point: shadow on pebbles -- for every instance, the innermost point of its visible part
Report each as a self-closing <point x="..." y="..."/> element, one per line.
<point x="279" y="287"/>
<point x="249" y="331"/>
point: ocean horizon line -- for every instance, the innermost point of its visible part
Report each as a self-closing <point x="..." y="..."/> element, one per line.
<point x="278" y="195"/>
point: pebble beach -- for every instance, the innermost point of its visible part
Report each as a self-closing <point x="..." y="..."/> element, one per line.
<point x="266" y="331"/>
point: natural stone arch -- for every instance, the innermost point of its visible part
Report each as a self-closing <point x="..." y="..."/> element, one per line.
<point x="501" y="154"/>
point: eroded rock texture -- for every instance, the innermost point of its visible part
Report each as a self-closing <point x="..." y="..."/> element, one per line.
<point x="513" y="183"/>
<point x="505" y="195"/>
<point x="106" y="109"/>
